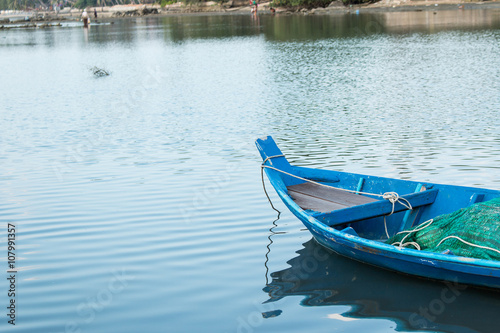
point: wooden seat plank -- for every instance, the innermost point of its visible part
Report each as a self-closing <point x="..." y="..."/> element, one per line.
<point x="338" y="199"/>
<point x="317" y="204"/>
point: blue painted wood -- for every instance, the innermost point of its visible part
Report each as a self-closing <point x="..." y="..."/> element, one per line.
<point x="267" y="149"/>
<point x="318" y="175"/>
<point x="361" y="182"/>
<point x="477" y="197"/>
<point x="407" y="222"/>
<point x="349" y="231"/>
<point x="375" y="209"/>
<point x="351" y="241"/>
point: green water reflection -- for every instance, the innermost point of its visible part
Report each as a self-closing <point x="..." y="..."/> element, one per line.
<point x="292" y="27"/>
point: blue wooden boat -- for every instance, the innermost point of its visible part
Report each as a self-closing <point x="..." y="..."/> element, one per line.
<point x="352" y="214"/>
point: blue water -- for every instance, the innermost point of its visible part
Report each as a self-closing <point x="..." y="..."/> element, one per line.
<point x="137" y="197"/>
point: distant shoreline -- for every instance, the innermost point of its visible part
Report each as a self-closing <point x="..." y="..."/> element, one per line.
<point x="110" y="13"/>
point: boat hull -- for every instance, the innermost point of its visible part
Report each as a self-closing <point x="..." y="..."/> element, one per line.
<point x="464" y="270"/>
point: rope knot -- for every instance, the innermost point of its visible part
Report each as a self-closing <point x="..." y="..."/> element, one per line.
<point x="391" y="196"/>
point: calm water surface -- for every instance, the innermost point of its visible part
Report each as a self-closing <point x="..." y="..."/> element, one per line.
<point x="137" y="197"/>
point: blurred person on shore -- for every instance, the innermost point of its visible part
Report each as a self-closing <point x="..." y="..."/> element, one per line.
<point x="85" y="19"/>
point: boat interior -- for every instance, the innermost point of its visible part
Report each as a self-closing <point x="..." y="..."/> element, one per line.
<point x="360" y="213"/>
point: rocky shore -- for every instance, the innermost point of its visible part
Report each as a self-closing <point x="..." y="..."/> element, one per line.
<point x="108" y="14"/>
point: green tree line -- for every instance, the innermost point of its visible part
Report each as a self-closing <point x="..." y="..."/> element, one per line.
<point x="25" y="4"/>
<point x="19" y="4"/>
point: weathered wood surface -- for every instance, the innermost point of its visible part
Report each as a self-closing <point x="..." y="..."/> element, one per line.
<point x="324" y="199"/>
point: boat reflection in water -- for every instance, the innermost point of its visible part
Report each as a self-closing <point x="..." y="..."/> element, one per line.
<point x="325" y="278"/>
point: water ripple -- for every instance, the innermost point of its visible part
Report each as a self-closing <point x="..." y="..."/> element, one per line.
<point x="138" y="199"/>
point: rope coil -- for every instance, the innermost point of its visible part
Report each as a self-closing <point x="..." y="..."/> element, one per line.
<point x="422" y="227"/>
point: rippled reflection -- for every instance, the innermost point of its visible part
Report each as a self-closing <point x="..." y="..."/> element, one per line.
<point x="324" y="278"/>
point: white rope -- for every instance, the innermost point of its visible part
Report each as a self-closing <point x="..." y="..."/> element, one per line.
<point x="422" y="227"/>
<point x="393" y="197"/>
<point x="385" y="227"/>
<point x="474" y="245"/>
<point x="264" y="184"/>
<point x="269" y="157"/>
<point x="415" y="244"/>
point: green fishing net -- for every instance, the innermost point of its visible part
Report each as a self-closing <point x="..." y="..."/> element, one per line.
<point x="478" y="224"/>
